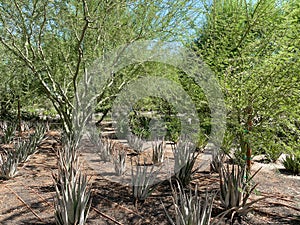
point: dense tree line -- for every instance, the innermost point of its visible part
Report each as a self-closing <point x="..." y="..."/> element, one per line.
<point x="253" y="48"/>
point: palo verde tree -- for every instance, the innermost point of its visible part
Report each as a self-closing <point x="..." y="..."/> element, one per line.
<point x="253" y="47"/>
<point x="57" y="40"/>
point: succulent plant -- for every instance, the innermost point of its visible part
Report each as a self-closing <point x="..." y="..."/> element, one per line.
<point x="72" y="201"/>
<point x="292" y="163"/>
<point x="9" y="165"/>
<point x="9" y="130"/>
<point x="185" y="158"/>
<point x="235" y="190"/>
<point x="104" y="147"/>
<point x="158" y="151"/>
<point x="218" y="158"/>
<point x="106" y="150"/>
<point x="136" y="143"/>
<point x="143" y="183"/>
<point x="119" y="161"/>
<point x="190" y="208"/>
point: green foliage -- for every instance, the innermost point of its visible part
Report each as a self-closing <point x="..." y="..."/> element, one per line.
<point x="50" y="44"/>
<point x="292" y="163"/>
<point x="254" y="51"/>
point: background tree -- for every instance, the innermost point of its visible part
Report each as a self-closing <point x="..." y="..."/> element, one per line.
<point x="57" y="41"/>
<point x="254" y="50"/>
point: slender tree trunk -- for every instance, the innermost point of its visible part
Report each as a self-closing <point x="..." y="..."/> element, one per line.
<point x="248" y="147"/>
<point x="19" y="116"/>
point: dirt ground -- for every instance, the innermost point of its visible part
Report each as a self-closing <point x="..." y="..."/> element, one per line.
<point x="28" y="198"/>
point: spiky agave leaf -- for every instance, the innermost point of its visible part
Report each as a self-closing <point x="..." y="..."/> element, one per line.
<point x="72" y="191"/>
<point x="218" y="158"/>
<point x="292" y="163"/>
<point x="235" y="190"/>
<point x="185" y="158"/>
<point x="9" y="165"/>
<point x="9" y="130"/>
<point x="158" y="151"/>
<point x="143" y="181"/>
<point x="105" y="148"/>
<point x="73" y="200"/>
<point x="120" y="162"/>
<point x="190" y="209"/>
<point x="136" y="143"/>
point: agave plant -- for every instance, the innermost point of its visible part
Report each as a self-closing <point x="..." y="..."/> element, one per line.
<point x="292" y="163"/>
<point x="9" y="165"/>
<point x="235" y="190"/>
<point x="158" y="151"/>
<point x="143" y="181"/>
<point x="185" y="158"/>
<point x="25" y="148"/>
<point x="218" y="158"/>
<point x="38" y="136"/>
<point x="9" y="131"/>
<point x="136" y="143"/>
<point x="72" y="202"/>
<point x="105" y="147"/>
<point x="190" y="209"/>
<point x="120" y="162"/>
<point x="106" y="150"/>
